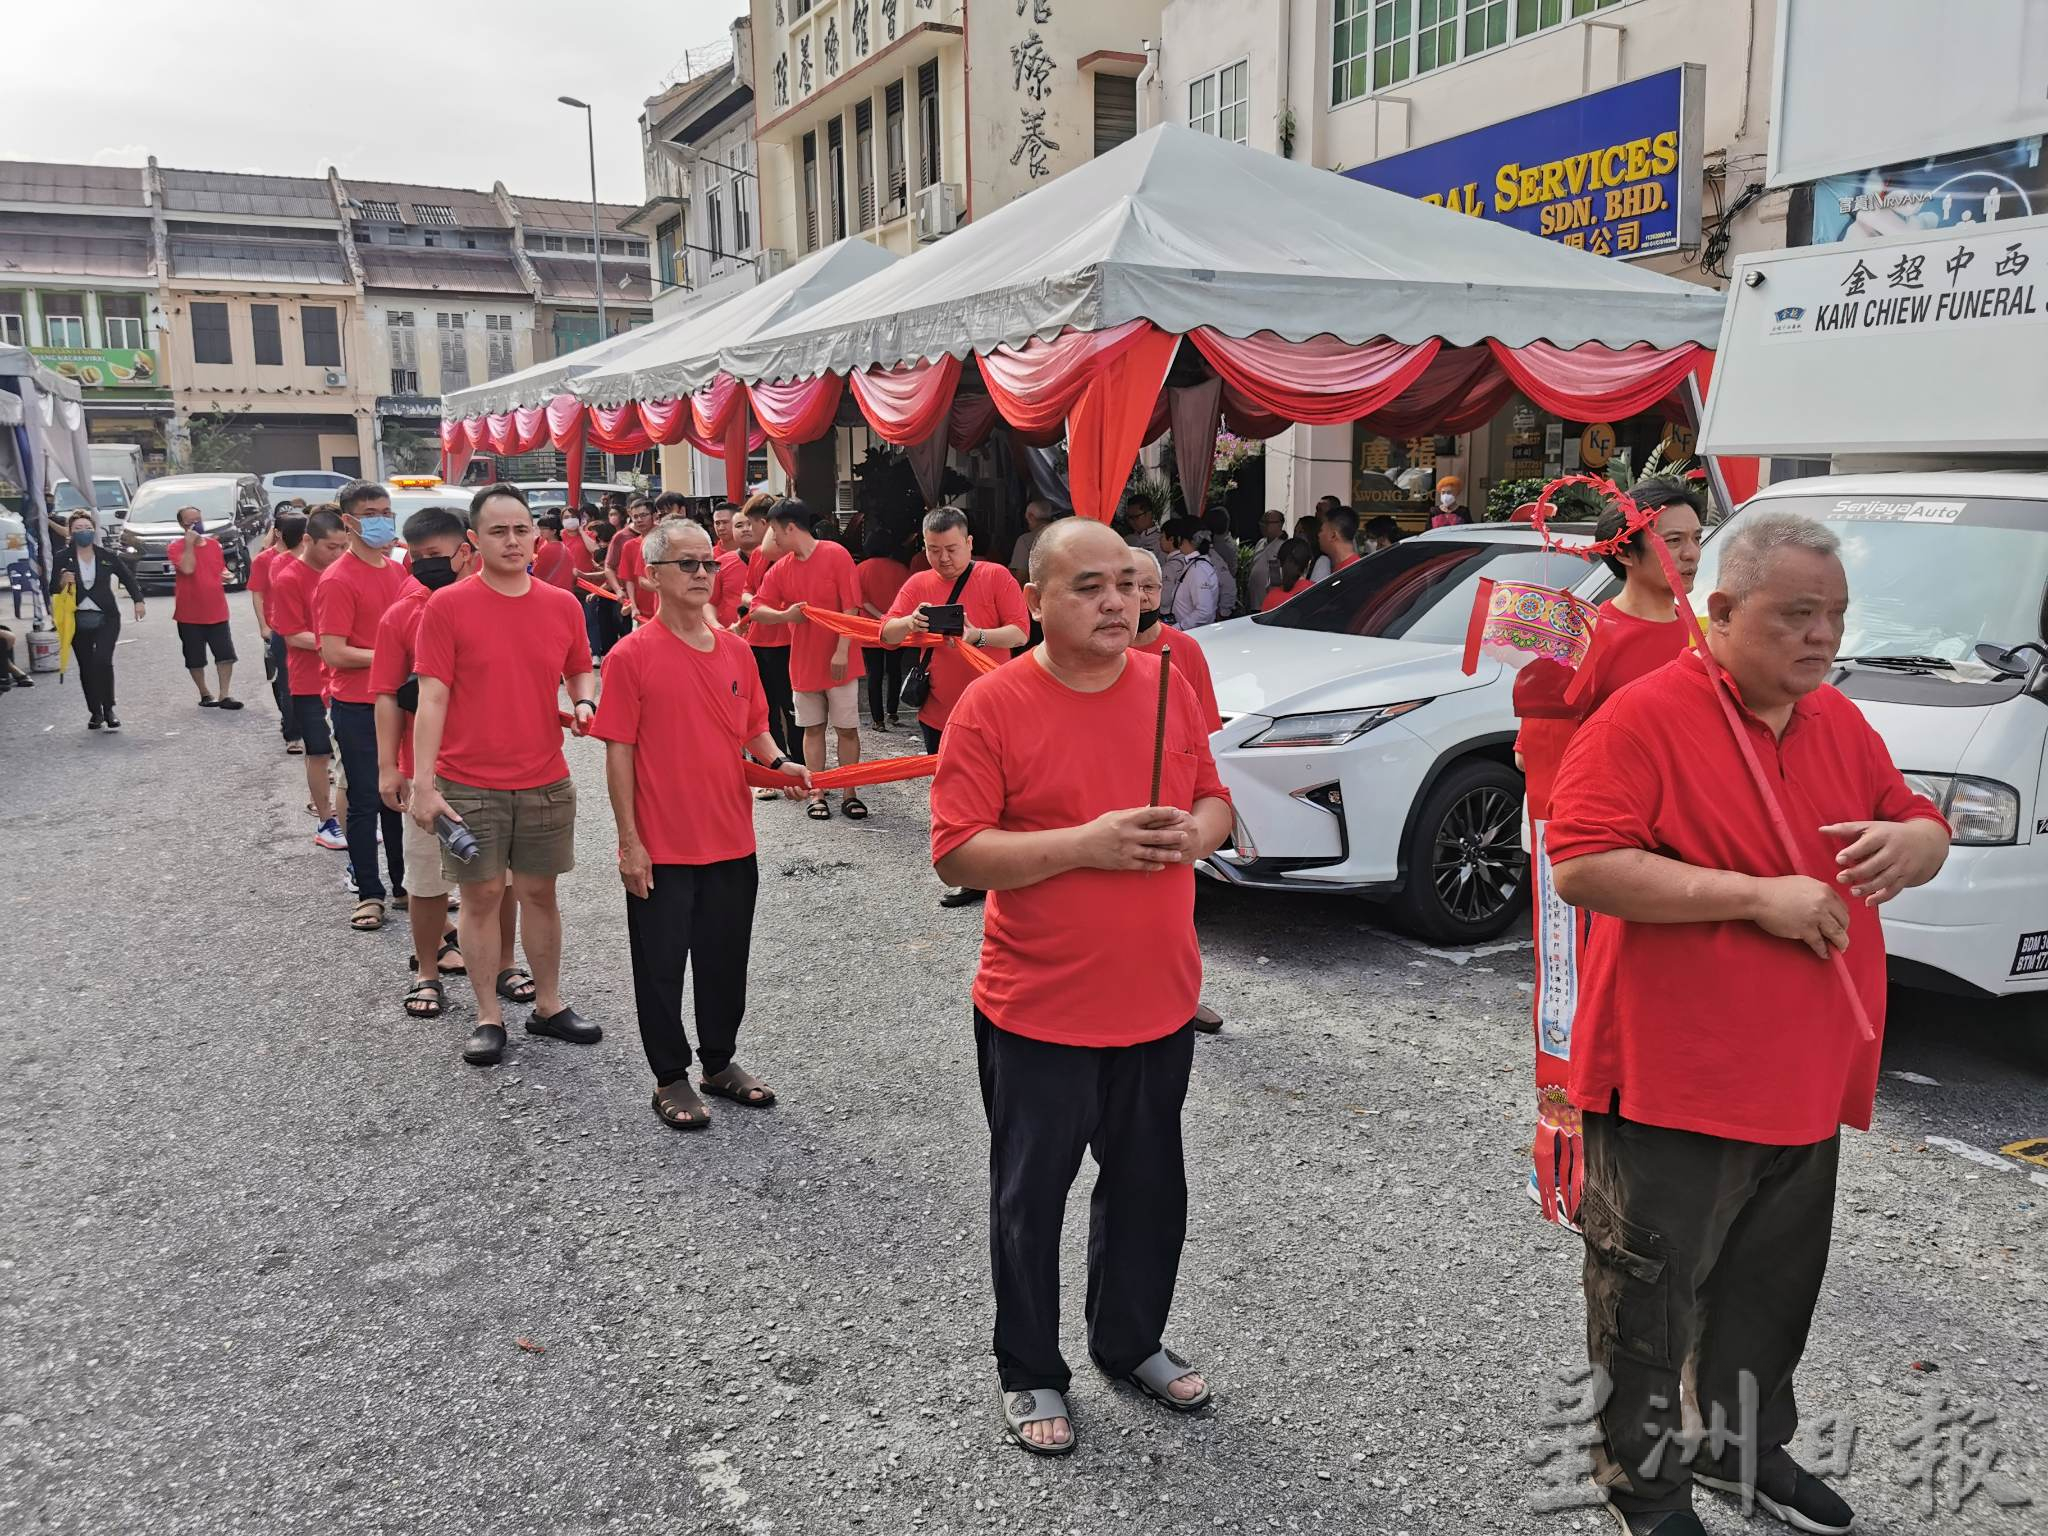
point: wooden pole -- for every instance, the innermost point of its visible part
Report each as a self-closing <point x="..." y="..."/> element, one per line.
<point x="1159" y="726"/>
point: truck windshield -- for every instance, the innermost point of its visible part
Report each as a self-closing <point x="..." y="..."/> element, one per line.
<point x="1928" y="576"/>
<point x="158" y="501"/>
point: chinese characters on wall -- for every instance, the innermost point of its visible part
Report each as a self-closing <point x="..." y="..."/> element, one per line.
<point x="1031" y="68"/>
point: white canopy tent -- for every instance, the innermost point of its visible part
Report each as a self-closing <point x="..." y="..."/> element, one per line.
<point x="543" y="381"/>
<point x="48" y="409"/>
<point x="1184" y="230"/>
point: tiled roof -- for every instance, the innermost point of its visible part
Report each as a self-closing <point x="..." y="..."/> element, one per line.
<point x="570" y="277"/>
<point x="103" y="186"/>
<point x="290" y="197"/>
<point x="100" y="247"/>
<point x="471" y="209"/>
<point x="231" y="258"/>
<point x="568" y="217"/>
<point x="430" y="271"/>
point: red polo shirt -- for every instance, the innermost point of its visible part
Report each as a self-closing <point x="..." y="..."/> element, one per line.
<point x="202" y="597"/>
<point x="1191" y="664"/>
<point x="992" y="599"/>
<point x="1721" y="1028"/>
<point x="824" y="580"/>
<point x="764" y="637"/>
<point x="1091" y="956"/>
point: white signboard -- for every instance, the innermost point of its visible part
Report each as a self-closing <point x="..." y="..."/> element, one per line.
<point x="1929" y="344"/>
<point x="1863" y="83"/>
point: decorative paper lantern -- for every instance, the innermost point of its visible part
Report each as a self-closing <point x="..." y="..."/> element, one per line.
<point x="1517" y="622"/>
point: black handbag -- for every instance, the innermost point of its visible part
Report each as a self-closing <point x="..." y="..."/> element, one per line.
<point x="917" y="681"/>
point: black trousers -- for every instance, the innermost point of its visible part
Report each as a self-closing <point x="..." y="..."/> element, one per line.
<point x="772" y="662"/>
<point x="94" y="651"/>
<point x="281" y="686"/>
<point x="885" y="682"/>
<point x="1046" y="1105"/>
<point x="931" y="737"/>
<point x="1704" y="1259"/>
<point x="699" y="917"/>
<point x="355" y="740"/>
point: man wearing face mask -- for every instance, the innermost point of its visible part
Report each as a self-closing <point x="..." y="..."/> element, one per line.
<point x="441" y="555"/>
<point x="348" y="605"/>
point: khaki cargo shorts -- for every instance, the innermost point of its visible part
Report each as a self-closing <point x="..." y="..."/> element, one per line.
<point x="526" y="831"/>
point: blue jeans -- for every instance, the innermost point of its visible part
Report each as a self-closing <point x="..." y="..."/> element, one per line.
<point x="355" y="740"/>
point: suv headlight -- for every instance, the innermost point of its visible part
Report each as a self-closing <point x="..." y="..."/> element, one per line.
<point x="1980" y="812"/>
<point x="1330" y="729"/>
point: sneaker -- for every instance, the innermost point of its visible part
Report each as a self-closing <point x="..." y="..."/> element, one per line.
<point x="1661" y="1522"/>
<point x="1788" y="1492"/>
<point x="329" y="835"/>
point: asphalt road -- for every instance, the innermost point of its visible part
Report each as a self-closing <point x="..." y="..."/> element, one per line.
<point x="274" y="1260"/>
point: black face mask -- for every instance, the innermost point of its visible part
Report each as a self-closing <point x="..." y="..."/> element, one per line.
<point x="1147" y="617"/>
<point x="434" y="571"/>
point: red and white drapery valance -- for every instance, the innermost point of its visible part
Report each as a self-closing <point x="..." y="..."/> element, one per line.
<point x="1105" y="391"/>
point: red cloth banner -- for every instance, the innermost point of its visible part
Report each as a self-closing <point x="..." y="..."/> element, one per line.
<point x="617" y="429"/>
<point x="665" y="421"/>
<point x="734" y="451"/>
<point x="1462" y="388"/>
<point x="1108" y="422"/>
<point x="907" y="405"/>
<point x="712" y="406"/>
<point x="799" y="411"/>
<point x="868" y="631"/>
<point x="565" y="433"/>
<point x="974" y="417"/>
<point x="455" y="451"/>
<point x="1321" y="381"/>
<point x="529" y="428"/>
<point x="1592" y="382"/>
<point x="1037" y="385"/>
<point x="478" y="429"/>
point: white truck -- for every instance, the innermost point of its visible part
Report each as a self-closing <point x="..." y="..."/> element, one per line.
<point x="1913" y="367"/>
<point x="121" y="461"/>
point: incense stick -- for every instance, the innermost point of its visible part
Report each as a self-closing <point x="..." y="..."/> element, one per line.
<point x="1159" y="727"/>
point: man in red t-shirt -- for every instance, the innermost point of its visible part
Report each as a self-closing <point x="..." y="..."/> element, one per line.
<point x="438" y="541"/>
<point x="769" y="642"/>
<point x="1338" y="540"/>
<point x="493" y="655"/>
<point x="815" y="573"/>
<point x="348" y="606"/>
<point x="994" y="618"/>
<point x="721" y="528"/>
<point x="1090" y="969"/>
<point x="287" y="530"/>
<point x="681" y="702"/>
<point x="553" y="562"/>
<point x="199" y="608"/>
<point x="1716" y="1056"/>
<point x="1634" y="634"/>
<point x="290" y="609"/>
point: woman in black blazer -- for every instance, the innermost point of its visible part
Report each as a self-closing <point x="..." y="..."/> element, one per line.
<point x="87" y="568"/>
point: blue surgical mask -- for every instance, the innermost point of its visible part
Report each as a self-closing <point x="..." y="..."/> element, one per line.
<point x="379" y="532"/>
<point x="82" y="537"/>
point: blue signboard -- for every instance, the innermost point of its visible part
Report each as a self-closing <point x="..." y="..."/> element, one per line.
<point x="1616" y="172"/>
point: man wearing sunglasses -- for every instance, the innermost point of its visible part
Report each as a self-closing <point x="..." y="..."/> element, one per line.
<point x="682" y="700"/>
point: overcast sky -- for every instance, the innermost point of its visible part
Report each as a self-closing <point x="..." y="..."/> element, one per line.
<point x="448" y="92"/>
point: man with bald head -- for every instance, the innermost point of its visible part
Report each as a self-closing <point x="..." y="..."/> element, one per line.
<point x="1715" y="1058"/>
<point x="1090" y="970"/>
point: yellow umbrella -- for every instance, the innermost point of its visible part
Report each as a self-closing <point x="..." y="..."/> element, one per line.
<point x="64" y="615"/>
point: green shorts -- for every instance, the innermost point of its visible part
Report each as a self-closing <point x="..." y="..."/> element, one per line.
<point x="526" y="831"/>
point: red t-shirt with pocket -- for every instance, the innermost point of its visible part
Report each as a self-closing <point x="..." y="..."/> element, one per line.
<point x="1720" y="1027"/>
<point x="202" y="597"/>
<point x="1092" y="956"/>
<point x="290" y="608"/>
<point x="397" y="642"/>
<point x="503" y="659"/>
<point x="993" y="600"/>
<point x="825" y="580"/>
<point x="687" y="713"/>
<point x="764" y="637"/>
<point x="349" y="600"/>
<point x="1191" y="664"/>
<point x="880" y="579"/>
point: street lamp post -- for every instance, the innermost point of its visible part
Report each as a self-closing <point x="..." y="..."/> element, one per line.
<point x="596" y="234"/>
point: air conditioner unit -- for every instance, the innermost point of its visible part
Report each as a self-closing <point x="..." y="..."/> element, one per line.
<point x="770" y="263"/>
<point x="337" y="379"/>
<point x="938" y="211"/>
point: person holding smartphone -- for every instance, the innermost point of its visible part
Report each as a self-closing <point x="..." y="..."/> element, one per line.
<point x="199" y="607"/>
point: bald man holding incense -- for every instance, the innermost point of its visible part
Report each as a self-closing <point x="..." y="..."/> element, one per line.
<point x="1076" y="787"/>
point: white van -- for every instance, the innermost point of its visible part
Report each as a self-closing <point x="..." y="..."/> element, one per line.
<point x="1913" y="368"/>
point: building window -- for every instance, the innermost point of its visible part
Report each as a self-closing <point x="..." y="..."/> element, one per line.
<point x="210" y="334"/>
<point x="405" y="381"/>
<point x="1116" y="111"/>
<point x="382" y="213"/>
<point x="320" y="335"/>
<point x="498" y="341"/>
<point x="63" y="319"/>
<point x="1216" y="103"/>
<point x="893" y="143"/>
<point x="269" y="344"/>
<point x="669" y="254"/>
<point x="401" y="338"/>
<point x="807" y="190"/>
<point x="13" y="324"/>
<point x="928" y="166"/>
<point x="864" y="163"/>
<point x="742" y="226"/>
<point x="454" y="351"/>
<point x="1380" y="43"/>
<point x="121" y="320"/>
<point x="573" y="331"/>
<point x="714" y="224"/>
<point x="835" y="168"/>
<point x="433" y="213"/>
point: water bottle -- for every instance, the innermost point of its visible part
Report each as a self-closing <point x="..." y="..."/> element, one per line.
<point x="456" y="838"/>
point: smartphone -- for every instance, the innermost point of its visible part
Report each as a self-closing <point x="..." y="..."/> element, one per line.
<point x="946" y="618"/>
